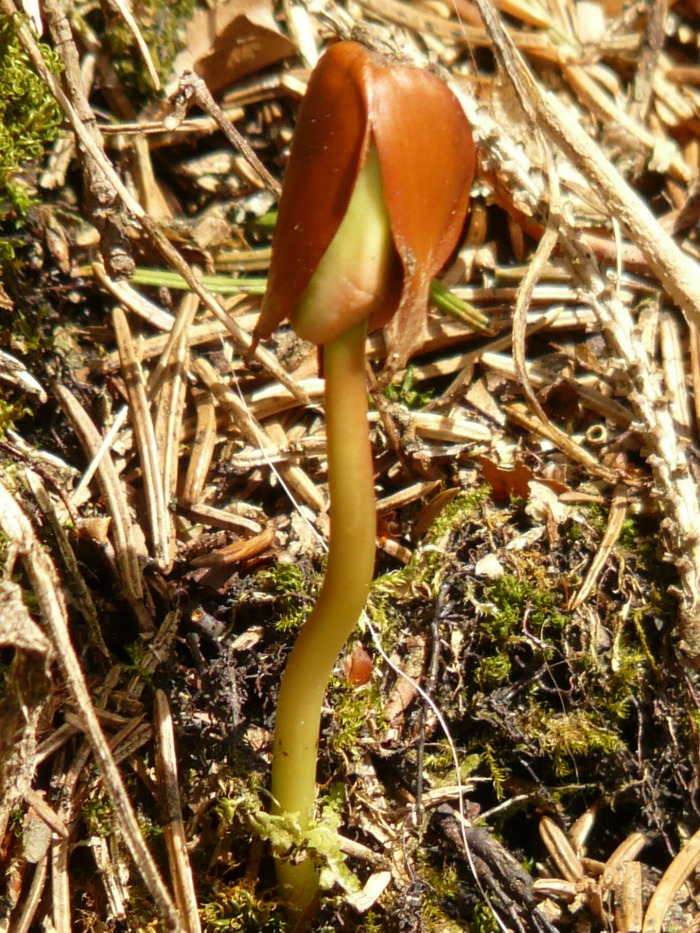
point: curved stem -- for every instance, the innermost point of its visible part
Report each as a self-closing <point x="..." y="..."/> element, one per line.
<point x="343" y="595"/>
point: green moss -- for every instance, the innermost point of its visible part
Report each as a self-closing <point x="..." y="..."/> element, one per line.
<point x="29" y="122"/>
<point x="639" y="547"/>
<point x="293" y="596"/>
<point x="565" y="737"/>
<point x="483" y="920"/>
<point x="494" y="671"/>
<point x="596" y="517"/>
<point x="439" y="763"/>
<point x="443" y="902"/>
<point x="138" y="651"/>
<point x="236" y="907"/>
<point x="391" y="594"/>
<point x="441" y="892"/>
<point x="630" y="665"/>
<point x="29" y="115"/>
<point x="236" y="796"/>
<point x="574" y="532"/>
<point x="506" y="607"/>
<point x="497" y="772"/>
<point x="150" y="828"/>
<point x="444" y="880"/>
<point x="463" y="508"/>
<point x="405" y="393"/>
<point x="384" y="604"/>
<point x="31" y="329"/>
<point x="352" y="708"/>
<point x="516" y="598"/>
<point x="98" y="812"/>
<point x="375" y="922"/>
<point x="10" y="413"/>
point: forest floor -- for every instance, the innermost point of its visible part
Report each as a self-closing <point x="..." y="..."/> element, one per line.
<point x="525" y="754"/>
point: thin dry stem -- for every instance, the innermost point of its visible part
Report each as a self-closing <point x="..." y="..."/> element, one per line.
<point x="75" y="581"/>
<point x="677" y="873"/>
<point x="201" y="450"/>
<point x="613" y="528"/>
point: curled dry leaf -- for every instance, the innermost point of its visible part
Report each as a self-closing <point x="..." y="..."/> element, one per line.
<point x="231" y="41"/>
<point x="514" y="481"/>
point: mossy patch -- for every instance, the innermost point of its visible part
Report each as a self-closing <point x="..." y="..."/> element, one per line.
<point x="533" y="691"/>
<point x="29" y="121"/>
<point x="354" y="708"/>
<point x="98" y="812"/>
<point x="291" y="592"/>
<point x="236" y="907"/>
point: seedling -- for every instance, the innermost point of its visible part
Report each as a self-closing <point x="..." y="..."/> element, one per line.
<point x="373" y="204"/>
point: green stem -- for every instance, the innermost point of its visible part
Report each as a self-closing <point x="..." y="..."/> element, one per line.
<point x="343" y="595"/>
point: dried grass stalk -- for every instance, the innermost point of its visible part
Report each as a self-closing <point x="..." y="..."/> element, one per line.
<point x="169" y="413"/>
<point x="144" y="432"/>
<point x="74" y="578"/>
<point x="616" y="518"/>
<point x="121" y="529"/>
<point x="201" y="450"/>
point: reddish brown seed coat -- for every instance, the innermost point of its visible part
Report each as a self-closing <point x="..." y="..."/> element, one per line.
<point x="426" y="153"/>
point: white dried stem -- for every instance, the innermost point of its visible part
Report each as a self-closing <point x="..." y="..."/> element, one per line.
<point x="675" y="375"/>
